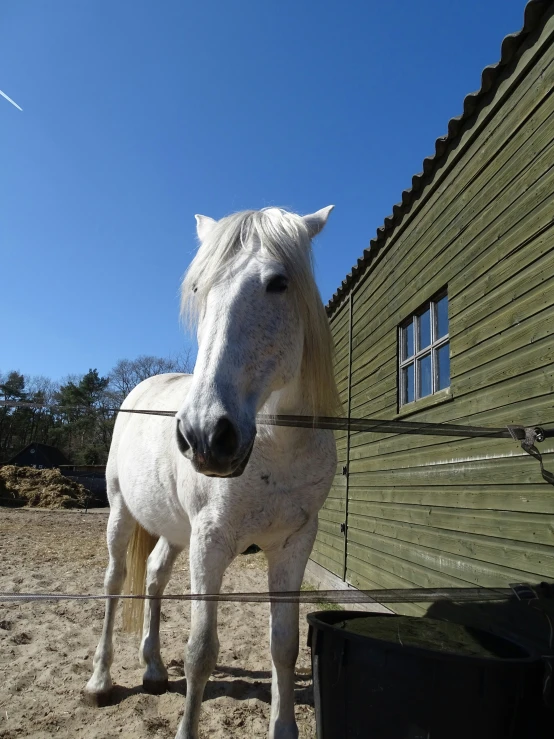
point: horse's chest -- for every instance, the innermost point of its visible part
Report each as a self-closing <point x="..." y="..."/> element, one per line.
<point x="283" y="497"/>
<point x="279" y="492"/>
<point x="273" y="515"/>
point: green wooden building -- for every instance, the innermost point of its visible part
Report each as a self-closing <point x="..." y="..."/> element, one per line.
<point x="449" y="317"/>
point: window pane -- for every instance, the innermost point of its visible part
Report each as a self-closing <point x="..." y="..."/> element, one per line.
<point x="442" y="317"/>
<point x="408" y="340"/>
<point x="408" y="384"/>
<point x="424" y="329"/>
<point x="424" y="367"/>
<point x="443" y="370"/>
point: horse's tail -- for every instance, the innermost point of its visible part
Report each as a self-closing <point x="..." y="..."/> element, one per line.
<point x="140" y="546"/>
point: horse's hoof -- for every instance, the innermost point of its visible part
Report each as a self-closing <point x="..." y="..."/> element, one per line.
<point x="97" y="700"/>
<point x="155" y="687"/>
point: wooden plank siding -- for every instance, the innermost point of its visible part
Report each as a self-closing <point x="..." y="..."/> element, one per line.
<point x="442" y="511"/>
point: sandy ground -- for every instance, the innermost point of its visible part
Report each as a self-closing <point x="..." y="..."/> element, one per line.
<point x="46" y="648"/>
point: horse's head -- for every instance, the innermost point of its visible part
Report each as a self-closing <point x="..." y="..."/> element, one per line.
<point x="251" y="291"/>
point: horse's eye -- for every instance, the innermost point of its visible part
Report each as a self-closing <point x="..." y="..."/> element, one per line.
<point x="277" y="284"/>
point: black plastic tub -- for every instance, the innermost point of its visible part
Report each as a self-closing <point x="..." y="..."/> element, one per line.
<point x="368" y="688"/>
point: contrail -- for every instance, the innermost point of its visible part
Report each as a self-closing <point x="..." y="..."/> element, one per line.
<point x="10" y="100"/>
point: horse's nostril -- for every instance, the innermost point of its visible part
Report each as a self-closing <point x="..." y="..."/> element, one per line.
<point x="182" y="443"/>
<point x="225" y="439"/>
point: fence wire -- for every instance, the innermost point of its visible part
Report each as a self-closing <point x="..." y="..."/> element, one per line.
<point x="344" y="423"/>
<point x="401" y="595"/>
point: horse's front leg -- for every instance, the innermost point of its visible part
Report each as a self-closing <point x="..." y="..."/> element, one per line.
<point x="210" y="555"/>
<point x="160" y="564"/>
<point x="286" y="571"/>
<point x="120" y="527"/>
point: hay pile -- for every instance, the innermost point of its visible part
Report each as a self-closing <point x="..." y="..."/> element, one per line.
<point x="41" y="488"/>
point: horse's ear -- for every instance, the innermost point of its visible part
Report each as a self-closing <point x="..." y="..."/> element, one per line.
<point x="316" y="221"/>
<point x="204" y="226"/>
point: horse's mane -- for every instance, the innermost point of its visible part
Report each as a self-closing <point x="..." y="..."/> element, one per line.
<point x="284" y="237"/>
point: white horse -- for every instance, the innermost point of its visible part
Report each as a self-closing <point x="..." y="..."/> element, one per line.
<point x="211" y="480"/>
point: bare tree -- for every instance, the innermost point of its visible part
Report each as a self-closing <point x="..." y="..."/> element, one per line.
<point x="127" y="373"/>
<point x="122" y="379"/>
<point x="184" y="361"/>
<point x="39" y="385"/>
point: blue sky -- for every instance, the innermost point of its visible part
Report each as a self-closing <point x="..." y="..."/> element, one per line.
<point x="136" y="115"/>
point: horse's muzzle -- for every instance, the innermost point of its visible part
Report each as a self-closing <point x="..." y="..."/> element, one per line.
<point x="217" y="455"/>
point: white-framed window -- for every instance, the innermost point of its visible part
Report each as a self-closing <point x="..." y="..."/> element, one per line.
<point x="424" y="351"/>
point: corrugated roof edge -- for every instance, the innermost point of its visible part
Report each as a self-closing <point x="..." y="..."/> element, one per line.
<point x="533" y="14"/>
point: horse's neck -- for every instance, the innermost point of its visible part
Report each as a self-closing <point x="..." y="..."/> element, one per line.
<point x="290" y="401"/>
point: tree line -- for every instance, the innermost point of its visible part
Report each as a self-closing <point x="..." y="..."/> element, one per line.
<point x="81" y="418"/>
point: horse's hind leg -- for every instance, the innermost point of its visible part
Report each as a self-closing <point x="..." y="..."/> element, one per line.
<point x="120" y="528"/>
<point x="160" y="563"/>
